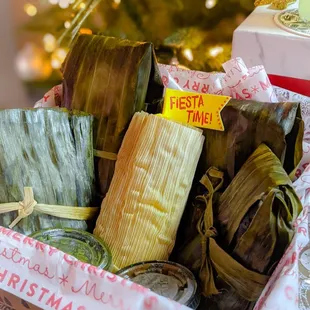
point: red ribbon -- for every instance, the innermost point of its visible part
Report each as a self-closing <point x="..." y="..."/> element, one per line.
<point x="293" y="84"/>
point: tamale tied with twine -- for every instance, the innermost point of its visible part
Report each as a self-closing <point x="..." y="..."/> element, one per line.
<point x="154" y="171"/>
<point x="111" y="79"/>
<point x="241" y="239"/>
<point x="46" y="169"/>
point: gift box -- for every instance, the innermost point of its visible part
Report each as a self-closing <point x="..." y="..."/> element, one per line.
<point x="263" y="39"/>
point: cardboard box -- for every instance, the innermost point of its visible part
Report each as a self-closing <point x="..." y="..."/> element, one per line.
<point x="12" y="302"/>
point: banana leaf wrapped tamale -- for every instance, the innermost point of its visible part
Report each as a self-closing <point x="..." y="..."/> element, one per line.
<point x="247" y="125"/>
<point x="242" y="236"/>
<point x="50" y="150"/>
<point x="111" y="79"/>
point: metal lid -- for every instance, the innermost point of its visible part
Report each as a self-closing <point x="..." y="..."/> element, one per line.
<point x="165" y="278"/>
<point x="82" y="245"/>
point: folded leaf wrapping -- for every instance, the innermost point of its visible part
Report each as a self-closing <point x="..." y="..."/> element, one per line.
<point x="51" y="151"/>
<point x="154" y="172"/>
<point x="254" y="220"/>
<point x="111" y="79"/>
<point x="247" y="125"/>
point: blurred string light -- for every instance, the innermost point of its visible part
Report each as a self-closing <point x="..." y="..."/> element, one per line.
<point x="62" y="3"/>
<point x="116" y="3"/>
<point x="67" y="24"/>
<point x="49" y="42"/>
<point x="215" y="51"/>
<point x="188" y="54"/>
<point x="85" y="31"/>
<point x="58" y="57"/>
<point x="210" y="4"/>
<point x="30" y="9"/>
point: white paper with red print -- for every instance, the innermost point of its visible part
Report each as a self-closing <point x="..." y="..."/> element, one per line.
<point x="238" y="81"/>
<point x="51" y="99"/>
<point x="50" y="279"/>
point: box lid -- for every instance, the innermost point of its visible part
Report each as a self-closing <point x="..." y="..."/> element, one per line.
<point x="259" y="41"/>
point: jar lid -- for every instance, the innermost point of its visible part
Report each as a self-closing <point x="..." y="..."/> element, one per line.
<point x="165" y="278"/>
<point x="82" y="245"/>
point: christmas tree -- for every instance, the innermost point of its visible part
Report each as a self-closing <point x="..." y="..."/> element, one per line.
<point x="193" y="33"/>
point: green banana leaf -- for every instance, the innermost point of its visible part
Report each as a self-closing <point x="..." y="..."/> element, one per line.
<point x="253" y="222"/>
<point x="247" y="125"/>
<point x="50" y="150"/>
<point x="111" y="79"/>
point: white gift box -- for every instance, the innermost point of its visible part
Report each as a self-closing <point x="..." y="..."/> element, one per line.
<point x="285" y="55"/>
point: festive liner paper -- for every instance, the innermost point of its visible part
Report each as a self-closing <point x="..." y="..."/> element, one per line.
<point x="53" y="98"/>
<point x="46" y="169"/>
<point x="49" y="279"/>
<point x="238" y="81"/>
<point x="111" y="79"/>
<point x="154" y="172"/>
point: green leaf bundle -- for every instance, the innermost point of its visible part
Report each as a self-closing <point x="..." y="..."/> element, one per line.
<point x="50" y="150"/>
<point x="111" y="79"/>
<point x="247" y="125"/>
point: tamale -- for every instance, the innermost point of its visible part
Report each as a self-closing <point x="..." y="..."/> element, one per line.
<point x="247" y="125"/>
<point x="111" y="79"/>
<point x="254" y="224"/>
<point x="50" y="150"/>
<point x="154" y="172"/>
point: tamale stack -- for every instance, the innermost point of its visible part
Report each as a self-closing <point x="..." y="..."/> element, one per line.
<point x="50" y="150"/>
<point x="247" y="125"/>
<point x="154" y="172"/>
<point x="254" y="225"/>
<point x="111" y="79"/>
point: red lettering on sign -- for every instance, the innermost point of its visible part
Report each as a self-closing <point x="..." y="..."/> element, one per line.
<point x="53" y="302"/>
<point x="14" y="280"/>
<point x="266" y="85"/>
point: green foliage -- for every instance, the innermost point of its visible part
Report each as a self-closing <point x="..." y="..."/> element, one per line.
<point x="173" y="24"/>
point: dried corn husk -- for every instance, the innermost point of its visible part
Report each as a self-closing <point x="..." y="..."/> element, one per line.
<point x="247" y="125"/>
<point x="153" y="176"/>
<point x="111" y="79"/>
<point x="51" y="151"/>
<point x="249" y="243"/>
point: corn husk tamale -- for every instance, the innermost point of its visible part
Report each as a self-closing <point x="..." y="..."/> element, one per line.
<point x="50" y="150"/>
<point x="254" y="221"/>
<point x="142" y="210"/>
<point x="111" y="79"/>
<point x="247" y="125"/>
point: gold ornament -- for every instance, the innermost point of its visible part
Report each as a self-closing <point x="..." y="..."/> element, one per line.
<point x="278" y="4"/>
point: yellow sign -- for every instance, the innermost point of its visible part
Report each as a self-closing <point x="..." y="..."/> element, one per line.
<point x="200" y="110"/>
